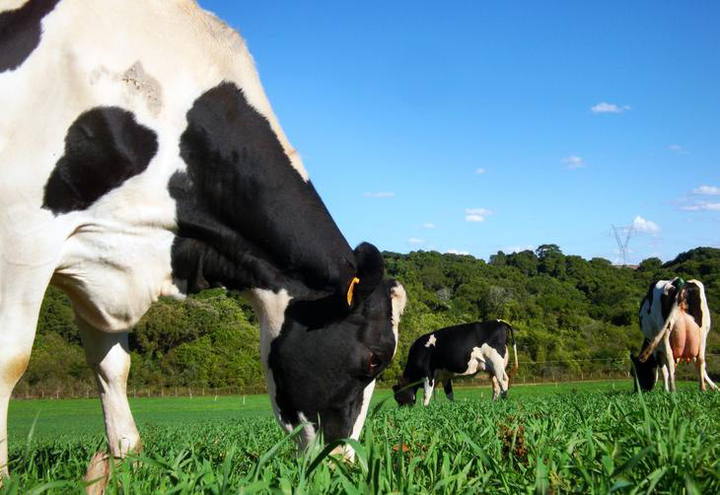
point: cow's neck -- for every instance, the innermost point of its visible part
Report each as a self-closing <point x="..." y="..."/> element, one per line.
<point x="251" y="218"/>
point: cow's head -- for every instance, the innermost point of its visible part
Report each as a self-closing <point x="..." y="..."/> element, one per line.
<point x="249" y="219"/>
<point x="405" y="392"/>
<point x="323" y="371"/>
<point x="644" y="373"/>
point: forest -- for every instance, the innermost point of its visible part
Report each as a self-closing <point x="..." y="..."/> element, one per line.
<point x="575" y="318"/>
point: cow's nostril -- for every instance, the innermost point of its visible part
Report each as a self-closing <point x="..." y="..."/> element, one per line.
<point x="374" y="363"/>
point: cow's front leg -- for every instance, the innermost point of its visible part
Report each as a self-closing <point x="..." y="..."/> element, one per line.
<point x="108" y="356"/>
<point x="429" y="386"/>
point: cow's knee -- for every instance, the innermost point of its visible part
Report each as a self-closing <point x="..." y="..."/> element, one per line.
<point x="107" y="354"/>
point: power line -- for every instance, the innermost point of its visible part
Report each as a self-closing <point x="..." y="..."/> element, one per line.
<point x="622" y="237"/>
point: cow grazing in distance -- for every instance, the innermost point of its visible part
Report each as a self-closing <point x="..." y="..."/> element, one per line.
<point x="675" y="321"/>
<point x="461" y="350"/>
<point x="140" y="157"/>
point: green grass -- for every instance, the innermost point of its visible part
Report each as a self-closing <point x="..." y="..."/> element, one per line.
<point x="585" y="437"/>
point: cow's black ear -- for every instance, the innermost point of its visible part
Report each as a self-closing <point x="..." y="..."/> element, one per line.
<point x="370" y="269"/>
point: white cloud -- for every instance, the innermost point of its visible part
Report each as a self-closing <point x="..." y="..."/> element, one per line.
<point x="477" y="214"/>
<point x="455" y="251"/>
<point x="640" y="224"/>
<point x="480" y="171"/>
<point x="428" y="225"/>
<point x="605" y="107"/>
<point x="678" y="149"/>
<point x="382" y="194"/>
<point x="702" y="206"/>
<point x="574" y="161"/>
<point x="709" y="190"/>
<point x="415" y="240"/>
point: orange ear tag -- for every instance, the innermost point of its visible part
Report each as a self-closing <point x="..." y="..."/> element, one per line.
<point x="351" y="290"/>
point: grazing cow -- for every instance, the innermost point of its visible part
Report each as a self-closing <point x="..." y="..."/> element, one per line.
<point x="675" y="321"/>
<point x="140" y="157"/>
<point x="461" y="350"/>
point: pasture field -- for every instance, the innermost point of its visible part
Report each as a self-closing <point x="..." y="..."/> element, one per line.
<point x="581" y="438"/>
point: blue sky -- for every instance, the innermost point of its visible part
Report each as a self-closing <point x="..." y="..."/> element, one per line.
<point x="481" y="126"/>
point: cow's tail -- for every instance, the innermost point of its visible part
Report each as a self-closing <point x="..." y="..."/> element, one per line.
<point x="516" y="365"/>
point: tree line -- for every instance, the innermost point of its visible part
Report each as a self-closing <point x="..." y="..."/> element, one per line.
<point x="573" y="316"/>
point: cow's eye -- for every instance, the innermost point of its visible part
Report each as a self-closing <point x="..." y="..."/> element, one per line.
<point x="374" y="364"/>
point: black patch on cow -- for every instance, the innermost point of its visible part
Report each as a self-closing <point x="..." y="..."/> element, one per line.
<point x="20" y="32"/>
<point x="104" y="147"/>
<point x="323" y="372"/>
<point x="246" y="218"/>
<point x="692" y="294"/>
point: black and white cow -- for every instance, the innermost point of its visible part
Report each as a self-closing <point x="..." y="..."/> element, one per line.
<point x="461" y="350"/>
<point x="140" y="157"/>
<point x="675" y="321"/>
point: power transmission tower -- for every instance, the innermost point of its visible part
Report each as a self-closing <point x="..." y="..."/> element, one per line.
<point x="622" y="237"/>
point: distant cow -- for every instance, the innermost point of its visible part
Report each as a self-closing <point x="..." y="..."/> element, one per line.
<point x="140" y="157"/>
<point x="675" y="321"/>
<point x="461" y="350"/>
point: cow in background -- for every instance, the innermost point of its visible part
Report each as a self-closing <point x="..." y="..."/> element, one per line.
<point x="461" y="350"/>
<point x="141" y="157"/>
<point x="675" y="321"/>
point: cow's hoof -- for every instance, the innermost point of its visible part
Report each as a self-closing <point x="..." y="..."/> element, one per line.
<point x="344" y="453"/>
<point x="98" y="471"/>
